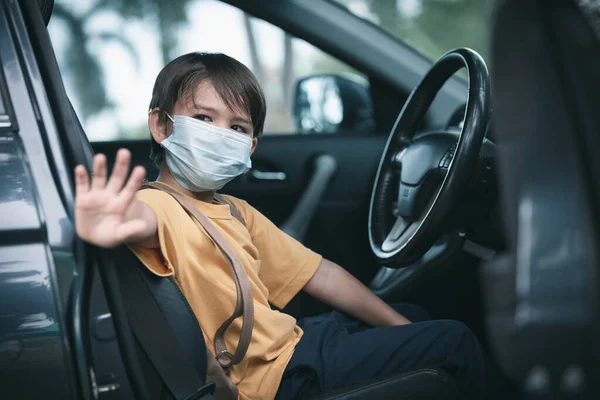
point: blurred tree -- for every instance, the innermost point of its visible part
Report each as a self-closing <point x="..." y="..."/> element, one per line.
<point x="323" y="63"/>
<point x="288" y="71"/>
<point x="431" y="27"/>
<point x="256" y="66"/>
<point x="277" y="83"/>
<point x="86" y="72"/>
<point x="135" y="132"/>
<point x="83" y="66"/>
<point x="168" y="15"/>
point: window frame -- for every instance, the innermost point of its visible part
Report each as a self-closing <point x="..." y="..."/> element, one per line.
<point x="8" y="122"/>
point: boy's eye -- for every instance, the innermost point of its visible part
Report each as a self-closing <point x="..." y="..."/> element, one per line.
<point x="239" y="128"/>
<point x="203" y="117"/>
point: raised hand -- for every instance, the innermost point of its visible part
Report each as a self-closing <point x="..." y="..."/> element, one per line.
<point x="108" y="214"/>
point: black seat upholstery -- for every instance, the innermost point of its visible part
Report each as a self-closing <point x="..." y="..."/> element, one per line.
<point x="414" y="385"/>
<point x="546" y="63"/>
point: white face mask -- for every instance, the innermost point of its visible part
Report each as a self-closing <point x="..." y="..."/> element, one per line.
<point x="204" y="157"/>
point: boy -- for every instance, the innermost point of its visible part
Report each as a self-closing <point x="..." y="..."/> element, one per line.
<point x="206" y="115"/>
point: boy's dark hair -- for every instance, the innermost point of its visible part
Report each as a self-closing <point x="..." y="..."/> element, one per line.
<point x="235" y="84"/>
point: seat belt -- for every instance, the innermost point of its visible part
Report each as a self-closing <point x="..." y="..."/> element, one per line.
<point x="244" y="306"/>
<point x="157" y="339"/>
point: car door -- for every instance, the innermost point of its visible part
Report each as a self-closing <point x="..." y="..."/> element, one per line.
<point x="41" y="269"/>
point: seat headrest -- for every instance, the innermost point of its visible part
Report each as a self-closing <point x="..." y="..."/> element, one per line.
<point x="546" y="84"/>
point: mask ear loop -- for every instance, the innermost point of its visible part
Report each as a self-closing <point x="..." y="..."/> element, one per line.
<point x="168" y="116"/>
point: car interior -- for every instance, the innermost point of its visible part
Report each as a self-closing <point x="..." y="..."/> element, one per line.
<point x="454" y="180"/>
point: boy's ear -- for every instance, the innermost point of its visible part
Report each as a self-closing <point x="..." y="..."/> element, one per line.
<point x="254" y="143"/>
<point x="158" y="129"/>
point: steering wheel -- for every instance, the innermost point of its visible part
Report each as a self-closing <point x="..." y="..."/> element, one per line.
<point x="421" y="177"/>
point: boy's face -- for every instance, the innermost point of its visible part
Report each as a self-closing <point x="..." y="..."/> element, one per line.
<point x="204" y="105"/>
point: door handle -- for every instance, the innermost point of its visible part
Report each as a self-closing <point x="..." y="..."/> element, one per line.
<point x="268" y="176"/>
<point x="298" y="222"/>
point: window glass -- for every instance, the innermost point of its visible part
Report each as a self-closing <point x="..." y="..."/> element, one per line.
<point x="431" y="27"/>
<point x="110" y="51"/>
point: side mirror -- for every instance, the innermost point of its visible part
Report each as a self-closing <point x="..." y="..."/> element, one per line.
<point x="332" y="104"/>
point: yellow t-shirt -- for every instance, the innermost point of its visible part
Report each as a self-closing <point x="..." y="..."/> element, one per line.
<point x="278" y="267"/>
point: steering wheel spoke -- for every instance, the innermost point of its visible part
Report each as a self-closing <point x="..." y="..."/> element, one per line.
<point x="395" y="234"/>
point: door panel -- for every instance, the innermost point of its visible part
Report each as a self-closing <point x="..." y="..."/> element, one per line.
<point x="339" y="229"/>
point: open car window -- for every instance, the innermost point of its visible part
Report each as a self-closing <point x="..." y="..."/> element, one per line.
<point x="110" y="53"/>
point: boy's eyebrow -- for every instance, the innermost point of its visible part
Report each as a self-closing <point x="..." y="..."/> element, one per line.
<point x="238" y="119"/>
<point x="205" y="108"/>
<point x="242" y="120"/>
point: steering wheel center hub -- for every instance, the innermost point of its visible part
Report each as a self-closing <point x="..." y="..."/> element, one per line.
<point x="423" y="165"/>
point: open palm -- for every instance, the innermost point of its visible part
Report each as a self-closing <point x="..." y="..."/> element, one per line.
<point x="106" y="213"/>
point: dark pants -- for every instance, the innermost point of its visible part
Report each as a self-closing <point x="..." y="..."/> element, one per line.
<point x="338" y="351"/>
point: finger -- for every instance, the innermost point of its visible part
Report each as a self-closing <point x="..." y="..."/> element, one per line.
<point x="128" y="231"/>
<point x="99" y="174"/>
<point x="119" y="172"/>
<point x="82" y="181"/>
<point x="133" y="184"/>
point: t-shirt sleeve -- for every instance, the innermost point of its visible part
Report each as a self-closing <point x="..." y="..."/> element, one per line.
<point x="286" y="264"/>
<point x="163" y="259"/>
